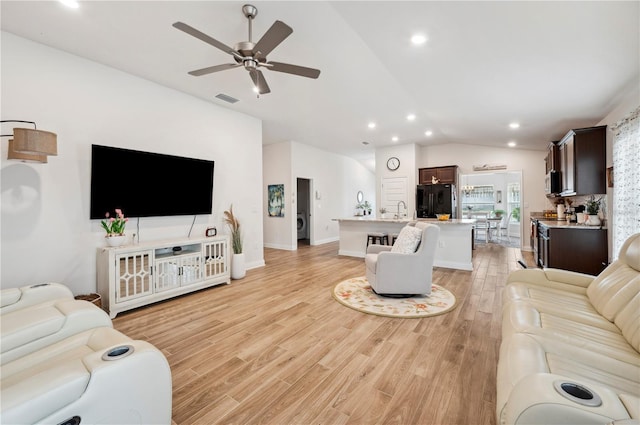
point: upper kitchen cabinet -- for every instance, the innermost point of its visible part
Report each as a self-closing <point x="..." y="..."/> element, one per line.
<point x="552" y="160"/>
<point x="448" y="174"/>
<point x="583" y="161"/>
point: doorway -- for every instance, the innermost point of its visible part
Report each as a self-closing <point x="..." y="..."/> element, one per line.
<point x="490" y="192"/>
<point x="303" y="214"/>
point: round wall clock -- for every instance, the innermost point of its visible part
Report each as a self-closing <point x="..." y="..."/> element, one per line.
<point x="393" y="163"/>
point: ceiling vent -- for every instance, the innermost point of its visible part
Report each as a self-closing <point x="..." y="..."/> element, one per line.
<point x="226" y="98"/>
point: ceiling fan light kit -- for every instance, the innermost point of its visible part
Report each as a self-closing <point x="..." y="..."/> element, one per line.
<point x="250" y="55"/>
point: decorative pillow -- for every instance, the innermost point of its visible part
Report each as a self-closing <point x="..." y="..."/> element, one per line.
<point x="408" y="240"/>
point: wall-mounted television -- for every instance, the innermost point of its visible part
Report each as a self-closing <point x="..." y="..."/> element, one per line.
<point x="146" y="184"/>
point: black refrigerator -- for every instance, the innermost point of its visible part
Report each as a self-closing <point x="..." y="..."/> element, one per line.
<point x="432" y="199"/>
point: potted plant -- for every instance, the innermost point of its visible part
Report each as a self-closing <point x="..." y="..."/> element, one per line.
<point x="114" y="226"/>
<point x="498" y="213"/>
<point x="515" y="213"/>
<point x="593" y="207"/>
<point x="238" y="269"/>
<point x="367" y="207"/>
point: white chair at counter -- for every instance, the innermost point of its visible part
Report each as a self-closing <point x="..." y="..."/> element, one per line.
<point x="481" y="224"/>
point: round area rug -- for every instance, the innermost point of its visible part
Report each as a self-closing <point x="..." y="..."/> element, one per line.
<point x="357" y="294"/>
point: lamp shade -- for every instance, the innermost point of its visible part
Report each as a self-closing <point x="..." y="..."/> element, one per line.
<point x="12" y="154"/>
<point x="35" y="142"/>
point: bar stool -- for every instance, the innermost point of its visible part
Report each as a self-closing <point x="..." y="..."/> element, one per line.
<point x="378" y="237"/>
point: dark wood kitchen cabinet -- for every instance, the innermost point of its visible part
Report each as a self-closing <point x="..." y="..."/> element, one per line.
<point x="448" y="174"/>
<point x="552" y="160"/>
<point x="583" y="161"/>
<point x="574" y="249"/>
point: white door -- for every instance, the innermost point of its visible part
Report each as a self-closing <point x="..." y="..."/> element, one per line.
<point x="394" y="190"/>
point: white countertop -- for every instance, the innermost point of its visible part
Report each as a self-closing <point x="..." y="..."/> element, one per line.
<point x="563" y="224"/>
<point x="369" y="219"/>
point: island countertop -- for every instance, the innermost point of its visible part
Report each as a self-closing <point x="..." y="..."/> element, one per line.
<point x="454" y="248"/>
<point x="407" y="220"/>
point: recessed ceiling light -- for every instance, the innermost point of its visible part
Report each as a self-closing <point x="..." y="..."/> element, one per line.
<point x="428" y="133"/>
<point x="511" y="144"/>
<point x="418" y="39"/>
<point x="73" y="4"/>
<point x="411" y="117"/>
<point x="365" y="143"/>
<point x="394" y="139"/>
<point x="514" y="125"/>
<point x="371" y="125"/>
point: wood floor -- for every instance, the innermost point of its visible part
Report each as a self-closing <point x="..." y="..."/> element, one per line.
<point x="276" y="348"/>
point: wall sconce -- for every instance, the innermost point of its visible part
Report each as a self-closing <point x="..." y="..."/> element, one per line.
<point x="31" y="144"/>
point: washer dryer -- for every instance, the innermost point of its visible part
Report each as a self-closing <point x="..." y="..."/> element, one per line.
<point x="302" y="225"/>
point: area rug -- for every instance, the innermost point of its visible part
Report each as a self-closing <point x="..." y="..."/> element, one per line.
<point x="356" y="293"/>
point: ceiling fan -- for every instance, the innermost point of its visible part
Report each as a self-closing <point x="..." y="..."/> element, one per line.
<point x="252" y="55"/>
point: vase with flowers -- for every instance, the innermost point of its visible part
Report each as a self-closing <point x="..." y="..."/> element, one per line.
<point x="238" y="269"/>
<point x="114" y="226"/>
<point x="593" y="207"/>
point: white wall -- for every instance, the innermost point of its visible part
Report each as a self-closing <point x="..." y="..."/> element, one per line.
<point x="276" y="160"/>
<point x="530" y="162"/>
<point x="336" y="178"/>
<point x="46" y="231"/>
<point x="407" y="154"/>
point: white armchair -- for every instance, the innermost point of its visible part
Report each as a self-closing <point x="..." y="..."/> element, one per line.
<point x="403" y="273"/>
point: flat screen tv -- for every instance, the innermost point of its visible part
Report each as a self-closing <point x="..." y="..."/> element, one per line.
<point x="145" y="184"/>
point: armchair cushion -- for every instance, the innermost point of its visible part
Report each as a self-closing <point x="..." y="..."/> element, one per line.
<point x="408" y="240"/>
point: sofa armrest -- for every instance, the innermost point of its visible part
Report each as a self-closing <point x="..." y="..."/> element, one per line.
<point x="534" y="400"/>
<point x="548" y="277"/>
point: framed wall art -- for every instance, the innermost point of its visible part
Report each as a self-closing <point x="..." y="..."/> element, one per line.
<point x="275" y="200"/>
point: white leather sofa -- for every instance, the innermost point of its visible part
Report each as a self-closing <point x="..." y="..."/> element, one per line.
<point x="570" y="351"/>
<point x="12" y="299"/>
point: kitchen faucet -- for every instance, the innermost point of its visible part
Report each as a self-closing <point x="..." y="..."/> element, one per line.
<point x="405" y="207"/>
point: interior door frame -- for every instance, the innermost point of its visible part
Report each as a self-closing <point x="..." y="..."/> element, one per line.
<point x="463" y="177"/>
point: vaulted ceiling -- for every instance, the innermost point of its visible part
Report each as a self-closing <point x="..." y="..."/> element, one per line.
<point x="548" y="65"/>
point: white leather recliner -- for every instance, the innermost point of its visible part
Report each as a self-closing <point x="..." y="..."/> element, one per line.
<point x="63" y="363"/>
<point x="33" y="327"/>
<point x="398" y="273"/>
<point x="570" y="349"/>
<point x="12" y="299"/>
<point x="98" y="376"/>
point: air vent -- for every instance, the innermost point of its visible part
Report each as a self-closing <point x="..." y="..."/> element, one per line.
<point x="226" y="98"/>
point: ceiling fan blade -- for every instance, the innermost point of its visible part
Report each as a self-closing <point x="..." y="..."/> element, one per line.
<point x="212" y="69"/>
<point x="207" y="39"/>
<point x="274" y="36"/>
<point x="293" y="69"/>
<point x="259" y="81"/>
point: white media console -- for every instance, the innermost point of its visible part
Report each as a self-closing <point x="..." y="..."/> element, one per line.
<point x="136" y="275"/>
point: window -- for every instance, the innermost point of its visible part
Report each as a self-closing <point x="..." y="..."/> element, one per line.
<point x="626" y="170"/>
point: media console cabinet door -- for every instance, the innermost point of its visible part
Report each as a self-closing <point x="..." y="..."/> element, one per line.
<point x="133" y="272"/>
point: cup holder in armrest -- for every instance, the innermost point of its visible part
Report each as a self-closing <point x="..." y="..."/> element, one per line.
<point x="577" y="393"/>
<point x="117" y="353"/>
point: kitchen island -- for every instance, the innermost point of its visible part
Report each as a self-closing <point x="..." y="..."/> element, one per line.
<point x="454" y="249"/>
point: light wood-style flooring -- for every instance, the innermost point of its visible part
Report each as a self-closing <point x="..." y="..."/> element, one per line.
<point x="276" y="348"/>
